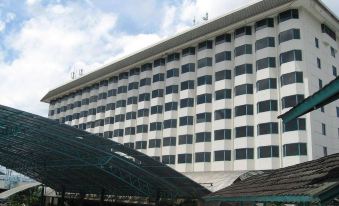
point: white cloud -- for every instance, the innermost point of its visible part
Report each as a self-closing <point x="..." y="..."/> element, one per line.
<point x="58" y="37"/>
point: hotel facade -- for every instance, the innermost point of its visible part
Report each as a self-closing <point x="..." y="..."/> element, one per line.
<point x="208" y="99"/>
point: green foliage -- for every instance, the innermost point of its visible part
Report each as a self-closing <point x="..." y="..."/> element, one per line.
<point x="30" y="197"/>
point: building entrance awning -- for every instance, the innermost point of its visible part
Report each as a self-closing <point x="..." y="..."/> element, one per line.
<point x="65" y="158"/>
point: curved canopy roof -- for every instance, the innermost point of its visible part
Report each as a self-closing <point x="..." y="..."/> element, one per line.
<point x="61" y="156"/>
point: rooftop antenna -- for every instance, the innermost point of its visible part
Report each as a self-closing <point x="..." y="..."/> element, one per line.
<point x="77" y="70"/>
<point x="205" y="18"/>
<point x="194" y="21"/>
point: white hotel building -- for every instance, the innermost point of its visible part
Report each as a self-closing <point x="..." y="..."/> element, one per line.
<point x="208" y="99"/>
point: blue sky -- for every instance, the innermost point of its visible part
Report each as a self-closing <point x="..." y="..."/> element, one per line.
<point x="41" y="41"/>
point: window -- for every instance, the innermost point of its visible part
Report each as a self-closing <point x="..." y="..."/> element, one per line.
<point x="129" y="144"/>
<point x="222" y="39"/>
<point x="289" y="14"/>
<point x="83" y="114"/>
<point x="328" y="31"/>
<point x="205" y="80"/>
<point x="184" y="158"/>
<point x="243" y="89"/>
<point x="171" y="106"/>
<point x="119" y="118"/>
<point x="243" y="49"/>
<point x="222" y="114"/>
<point x="268" y="151"/>
<point x="333" y="52"/>
<point x="130" y="131"/>
<point x="204" y="117"/>
<point x="246" y="109"/>
<point x="325" y="151"/>
<point x="123" y="75"/>
<point x="156" y="109"/>
<point x="157" y="93"/>
<point x="318" y="63"/>
<point x="270" y="83"/>
<point x="144" y="97"/>
<point x="289" y="35"/>
<point x="205" y="45"/>
<point x="131" y="115"/>
<point x="102" y="96"/>
<point x="187" y="102"/>
<point x="110" y="106"/>
<point x="291" y="101"/>
<point x="132" y="100"/>
<point x="320" y="82"/>
<point x="244" y="153"/>
<point x="159" y="62"/>
<point x="294" y="125"/>
<point x="143" y="112"/>
<point x="267" y="128"/>
<point x="121" y="103"/>
<point x="113" y="79"/>
<point x="173" y="57"/>
<point x="172" y="73"/>
<point x="189" y="84"/>
<point x="295" y="149"/>
<point x="243" y="69"/>
<point x="223" y="56"/>
<point x="291" y="78"/>
<point x="223" y="94"/>
<point x="268" y="105"/>
<point x="334" y="71"/>
<point x="244" y="131"/>
<point x="247" y="30"/>
<point x="118" y="133"/>
<point x="323" y="129"/>
<point x="145" y="82"/>
<point x="101" y="109"/>
<point x="316" y="42"/>
<point x="146" y="67"/>
<point x="205" y="62"/>
<point x="293" y="55"/>
<point x="170" y="123"/>
<point x="142" y="128"/>
<point x="158" y="77"/>
<point x="222" y="155"/>
<point x="185" y="139"/>
<point x="154" y="143"/>
<point x="202" y="157"/>
<point x="111" y="92"/>
<point x="222" y="134"/>
<point x="190" y="67"/>
<point x="86" y="101"/>
<point x="224" y="74"/>
<point x="264" y="42"/>
<point x="93" y="99"/>
<point x="204" y="98"/>
<point x="188" y="51"/>
<point x="122" y="89"/>
<point x="169" y="141"/>
<point x="188" y="120"/>
<point x="337" y="111"/>
<point x="268" y="62"/>
<point x="168" y="159"/>
<point x="264" y="24"/>
<point x="173" y="89"/>
<point x="154" y="126"/>
<point x="133" y="85"/>
<point x="203" y="137"/>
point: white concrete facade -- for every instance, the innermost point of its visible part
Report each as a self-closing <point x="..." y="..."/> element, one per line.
<point x="213" y="105"/>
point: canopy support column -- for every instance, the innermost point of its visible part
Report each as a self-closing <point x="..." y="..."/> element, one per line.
<point x="102" y="197"/>
<point x="62" y="200"/>
<point x="42" y="195"/>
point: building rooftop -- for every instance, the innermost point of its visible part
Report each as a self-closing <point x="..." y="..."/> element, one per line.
<point x="198" y="33"/>
<point x="311" y="181"/>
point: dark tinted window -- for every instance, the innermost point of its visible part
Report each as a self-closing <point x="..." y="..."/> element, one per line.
<point x="185" y="139"/>
<point x="243" y="49"/>
<point x="202" y="157"/>
<point x="189" y="84"/>
<point x="173" y="89"/>
<point x="267" y="128"/>
<point x="159" y="62"/>
<point x="289" y="35"/>
<point x="289" y="14"/>
<point x="145" y="81"/>
<point x="291" y="78"/>
<point x="295" y="124"/>
<point x="204" y="98"/>
<point x="224" y="74"/>
<point x="263" y="84"/>
<point x="268" y="151"/>
<point x="222" y="114"/>
<point x="188" y="51"/>
<point x="190" y="67"/>
<point x="243" y="69"/>
<point x="247" y="30"/>
<point x="268" y="105"/>
<point x="246" y="109"/>
<point x="223" y="94"/>
<point x="205" y="45"/>
<point x="132" y="100"/>
<point x="184" y="158"/>
<point x="222" y="134"/>
<point x="291" y="101"/>
<point x="293" y="55"/>
<point x="188" y="120"/>
<point x="222" y="155"/>
<point x="205" y="80"/>
<point x="173" y="57"/>
<point x="264" y="24"/>
<point x="244" y="131"/>
<point x="155" y="126"/>
<point x="243" y="89"/>
<point x="187" y="102"/>
<point x="205" y="62"/>
<point x="172" y="73"/>
<point x="222" y="38"/>
<point x="223" y="56"/>
<point x="295" y="149"/>
<point x="265" y="63"/>
<point x="203" y="137"/>
<point x="244" y="153"/>
<point x="264" y="42"/>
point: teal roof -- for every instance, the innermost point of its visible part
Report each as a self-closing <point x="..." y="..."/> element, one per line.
<point x="326" y="95"/>
<point x="61" y="156"/>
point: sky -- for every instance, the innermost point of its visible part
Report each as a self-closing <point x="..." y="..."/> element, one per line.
<point x="43" y="41"/>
